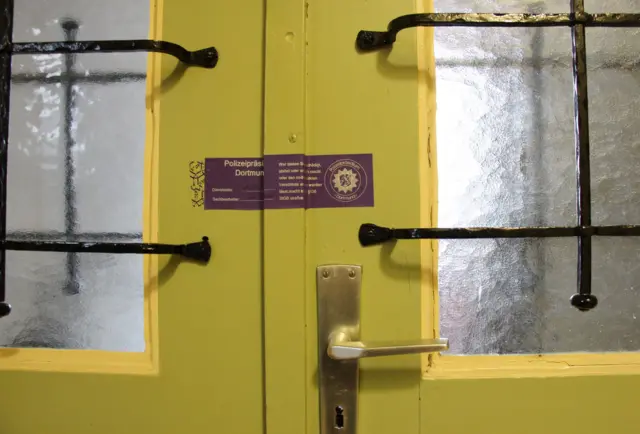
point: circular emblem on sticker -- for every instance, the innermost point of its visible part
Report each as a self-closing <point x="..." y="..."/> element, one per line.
<point x="345" y="180"/>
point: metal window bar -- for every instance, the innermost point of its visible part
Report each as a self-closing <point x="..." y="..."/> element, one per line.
<point x="87" y="242"/>
<point x="578" y="20"/>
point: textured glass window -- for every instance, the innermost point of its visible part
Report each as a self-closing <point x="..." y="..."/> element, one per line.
<point x="503" y="6"/>
<point x="76" y="163"/>
<point x="506" y="158"/>
<point x="627" y="6"/>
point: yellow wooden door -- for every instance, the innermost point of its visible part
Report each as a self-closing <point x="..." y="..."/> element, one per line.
<point x="582" y="374"/>
<point x="181" y="352"/>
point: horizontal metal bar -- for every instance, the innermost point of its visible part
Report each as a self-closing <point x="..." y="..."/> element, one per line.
<point x="77" y="78"/>
<point x="371" y="40"/>
<point x="200" y="251"/>
<point x="206" y="58"/>
<point x="371" y="234"/>
<point x="54" y="235"/>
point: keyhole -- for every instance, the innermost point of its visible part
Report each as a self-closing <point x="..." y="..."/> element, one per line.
<point x="339" y="417"/>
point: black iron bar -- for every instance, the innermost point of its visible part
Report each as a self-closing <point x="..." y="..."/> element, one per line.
<point x="71" y="286"/>
<point x="206" y="58"/>
<point x="583" y="299"/>
<point x="370" y="234"/>
<point x="78" y="236"/>
<point x="6" y="35"/>
<point x="371" y="40"/>
<point x="200" y="251"/>
<point x="94" y="78"/>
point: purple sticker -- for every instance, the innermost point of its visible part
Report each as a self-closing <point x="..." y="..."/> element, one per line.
<point x="289" y="181"/>
<point x="233" y="183"/>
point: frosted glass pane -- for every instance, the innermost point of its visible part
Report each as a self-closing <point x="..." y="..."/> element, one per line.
<point x="96" y="126"/>
<point x="512" y="296"/>
<point x="35" y="188"/>
<point x="506" y="158"/>
<point x="504" y="125"/>
<point x="496" y="295"/>
<point x="39" y="20"/>
<point x="612" y="60"/>
<point x="76" y="164"/>
<point x="628" y="6"/>
<point x="106" y="313"/>
<point x="504" y="6"/>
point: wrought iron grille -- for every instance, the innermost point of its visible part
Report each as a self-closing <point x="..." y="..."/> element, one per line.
<point x="577" y="20"/>
<point x="76" y="242"/>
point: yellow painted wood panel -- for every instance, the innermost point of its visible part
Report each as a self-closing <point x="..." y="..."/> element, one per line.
<point x="210" y="318"/>
<point x="384" y="103"/>
<point x="284" y="230"/>
<point x="367" y="103"/>
<point x="586" y="405"/>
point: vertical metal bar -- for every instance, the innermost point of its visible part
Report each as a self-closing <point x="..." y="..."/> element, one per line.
<point x="583" y="300"/>
<point x="536" y="174"/>
<point x="72" y="286"/>
<point x="6" y="37"/>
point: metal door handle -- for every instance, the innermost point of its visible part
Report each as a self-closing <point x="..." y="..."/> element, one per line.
<point x="342" y="347"/>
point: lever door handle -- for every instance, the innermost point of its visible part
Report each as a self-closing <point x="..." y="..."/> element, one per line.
<point x="342" y="347"/>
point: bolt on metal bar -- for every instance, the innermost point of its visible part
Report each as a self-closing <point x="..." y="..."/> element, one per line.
<point x="368" y="40"/>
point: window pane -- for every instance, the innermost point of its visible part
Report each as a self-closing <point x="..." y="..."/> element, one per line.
<point x="512" y="296"/>
<point x="495" y="295"/>
<point x="110" y="141"/>
<point x="104" y="314"/>
<point x="35" y="190"/>
<point x="91" y="132"/>
<point x="39" y="20"/>
<point x="504" y="127"/>
<point x="76" y="167"/>
<point x="614" y="109"/>
<point x="514" y="6"/>
<point x="506" y="158"/>
<point x="629" y="6"/>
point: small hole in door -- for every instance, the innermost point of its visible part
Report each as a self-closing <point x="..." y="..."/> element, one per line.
<point x="339" y="417"/>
